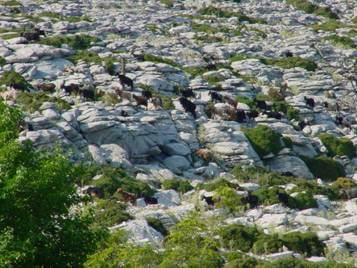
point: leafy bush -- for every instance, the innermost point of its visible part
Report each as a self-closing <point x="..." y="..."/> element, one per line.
<point x="114" y="178"/>
<point x="303" y="200"/>
<point x="305" y="243"/>
<point x="291" y="62"/>
<point x="268" y="196"/>
<point x="215" y="184"/>
<point x="343" y="184"/>
<point x="311" y="8"/>
<point x="10" y="119"/>
<point x="343" y="41"/>
<point x="338" y="146"/>
<point x="157" y="225"/>
<point x="239" y="260"/>
<point x="75" y="41"/>
<point x="227" y="198"/>
<point x="190" y="244"/>
<point x="2" y="61"/>
<point x="110" y="212"/>
<point x="267" y="244"/>
<point x="10" y="78"/>
<point x="264" y="140"/>
<point x="325" y="168"/>
<point x="178" y="185"/>
<point x="153" y="58"/>
<point x="118" y="252"/>
<point x="291" y="262"/>
<point x="86" y="56"/>
<point x="292" y="113"/>
<point x="32" y="102"/>
<point x="238" y="237"/>
<point x="329" y="26"/>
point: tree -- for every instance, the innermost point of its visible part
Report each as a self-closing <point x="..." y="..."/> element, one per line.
<point x="38" y="224"/>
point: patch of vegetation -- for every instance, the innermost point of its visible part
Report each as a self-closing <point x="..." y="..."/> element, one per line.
<point x="267" y="244"/>
<point x="292" y="262"/>
<point x="227" y="198"/>
<point x="239" y="237"/>
<point x="81" y="41"/>
<point x="157" y="225"/>
<point x="110" y="212"/>
<point x="216" y="184"/>
<point x="92" y="57"/>
<point x="214" y="11"/>
<point x="303" y="200"/>
<point x="11" y="3"/>
<point x="10" y="78"/>
<point x="31" y="102"/>
<point x="167" y="3"/>
<point x="240" y="56"/>
<point x="2" y="61"/>
<point x="325" y="168"/>
<point x="178" y="185"/>
<point x="311" y="8"/>
<point x="338" y="146"/>
<point x="239" y="260"/>
<point x="114" y="178"/>
<point x="330" y="26"/>
<point x="291" y="62"/>
<point x="343" y="41"/>
<point x="167" y="103"/>
<point x="264" y="140"/>
<point x="158" y="59"/>
<point x="268" y="196"/>
<point x="306" y="243"/>
<point x="110" y="99"/>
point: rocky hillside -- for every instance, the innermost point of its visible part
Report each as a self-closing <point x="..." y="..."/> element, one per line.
<point x="235" y="117"/>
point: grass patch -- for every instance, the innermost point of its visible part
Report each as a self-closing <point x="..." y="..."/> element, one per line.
<point x="325" y="168"/>
<point x="110" y="212"/>
<point x="31" y="102"/>
<point x="178" y="185"/>
<point x="11" y="3"/>
<point x="158" y="59"/>
<point x="2" y="61"/>
<point x="291" y="62"/>
<point x="10" y="78"/>
<point x="338" y="146"/>
<point x="342" y="41"/>
<point x="167" y="3"/>
<point x="311" y="8"/>
<point x="76" y="41"/>
<point x="264" y="140"/>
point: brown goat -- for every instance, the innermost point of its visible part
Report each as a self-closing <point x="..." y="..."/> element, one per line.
<point x="49" y="87"/>
<point x="127" y="197"/>
<point x="205" y="154"/>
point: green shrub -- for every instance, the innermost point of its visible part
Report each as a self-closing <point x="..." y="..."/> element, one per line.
<point x="11" y="3"/>
<point x="245" y="100"/>
<point x="227" y="198"/>
<point x="110" y="212"/>
<point x="157" y="225"/>
<point x="2" y="61"/>
<point x="288" y="142"/>
<point x="86" y="56"/>
<point x="303" y="200"/>
<point x="215" y="184"/>
<point x="114" y="178"/>
<point x="325" y="168"/>
<point x="10" y="78"/>
<point x="264" y="140"/>
<point x="338" y="146"/>
<point x="343" y="41"/>
<point x="158" y="59"/>
<point x="306" y="243"/>
<point x="268" y="196"/>
<point x="267" y="244"/>
<point x="311" y="8"/>
<point x="31" y="102"/>
<point x="291" y="262"/>
<point x="190" y="244"/>
<point x="315" y="189"/>
<point x="167" y="3"/>
<point x="178" y="185"/>
<point x="293" y="113"/>
<point x="329" y="26"/>
<point x="239" y="57"/>
<point x="291" y="62"/>
<point x="10" y="119"/>
<point x="240" y="260"/>
<point x="238" y="237"/>
<point x="343" y="184"/>
<point x="81" y="41"/>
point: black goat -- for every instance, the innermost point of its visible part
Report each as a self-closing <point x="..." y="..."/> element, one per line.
<point x="88" y="94"/>
<point x="71" y="88"/>
<point x="309" y="101"/>
<point x="252" y="200"/>
<point x="31" y="36"/>
<point x="252" y="114"/>
<point x="272" y="114"/>
<point x="288" y="54"/>
<point x="209" y="200"/>
<point x="126" y="81"/>
<point x="240" y="116"/>
<point x="95" y="192"/>
<point x="284" y="198"/>
<point x="140" y="100"/>
<point x="124" y="113"/>
<point x="302" y="125"/>
<point x="230" y="101"/>
<point x="188" y="106"/>
<point x="147" y="94"/>
<point x="260" y="104"/>
<point x="187" y="93"/>
<point x="215" y="97"/>
<point x="150" y="200"/>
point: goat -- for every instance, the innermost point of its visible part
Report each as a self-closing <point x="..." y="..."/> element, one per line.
<point x="31" y="36"/>
<point x="205" y="154"/>
<point x="252" y="114"/>
<point x="187" y="93"/>
<point x="88" y="94"/>
<point x="150" y="200"/>
<point x="260" y="104"/>
<point x="230" y="101"/>
<point x="284" y="198"/>
<point x="188" y="106"/>
<point x="252" y="200"/>
<point x="49" y="87"/>
<point x="71" y="88"/>
<point x="95" y="192"/>
<point x="124" y="95"/>
<point x="240" y="116"/>
<point x="309" y="101"/>
<point x="288" y="54"/>
<point x="147" y="94"/>
<point x="215" y="97"/>
<point x="272" y="114"/>
<point x="127" y="197"/>
<point x="209" y="200"/>
<point x="140" y="100"/>
<point x="124" y="80"/>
